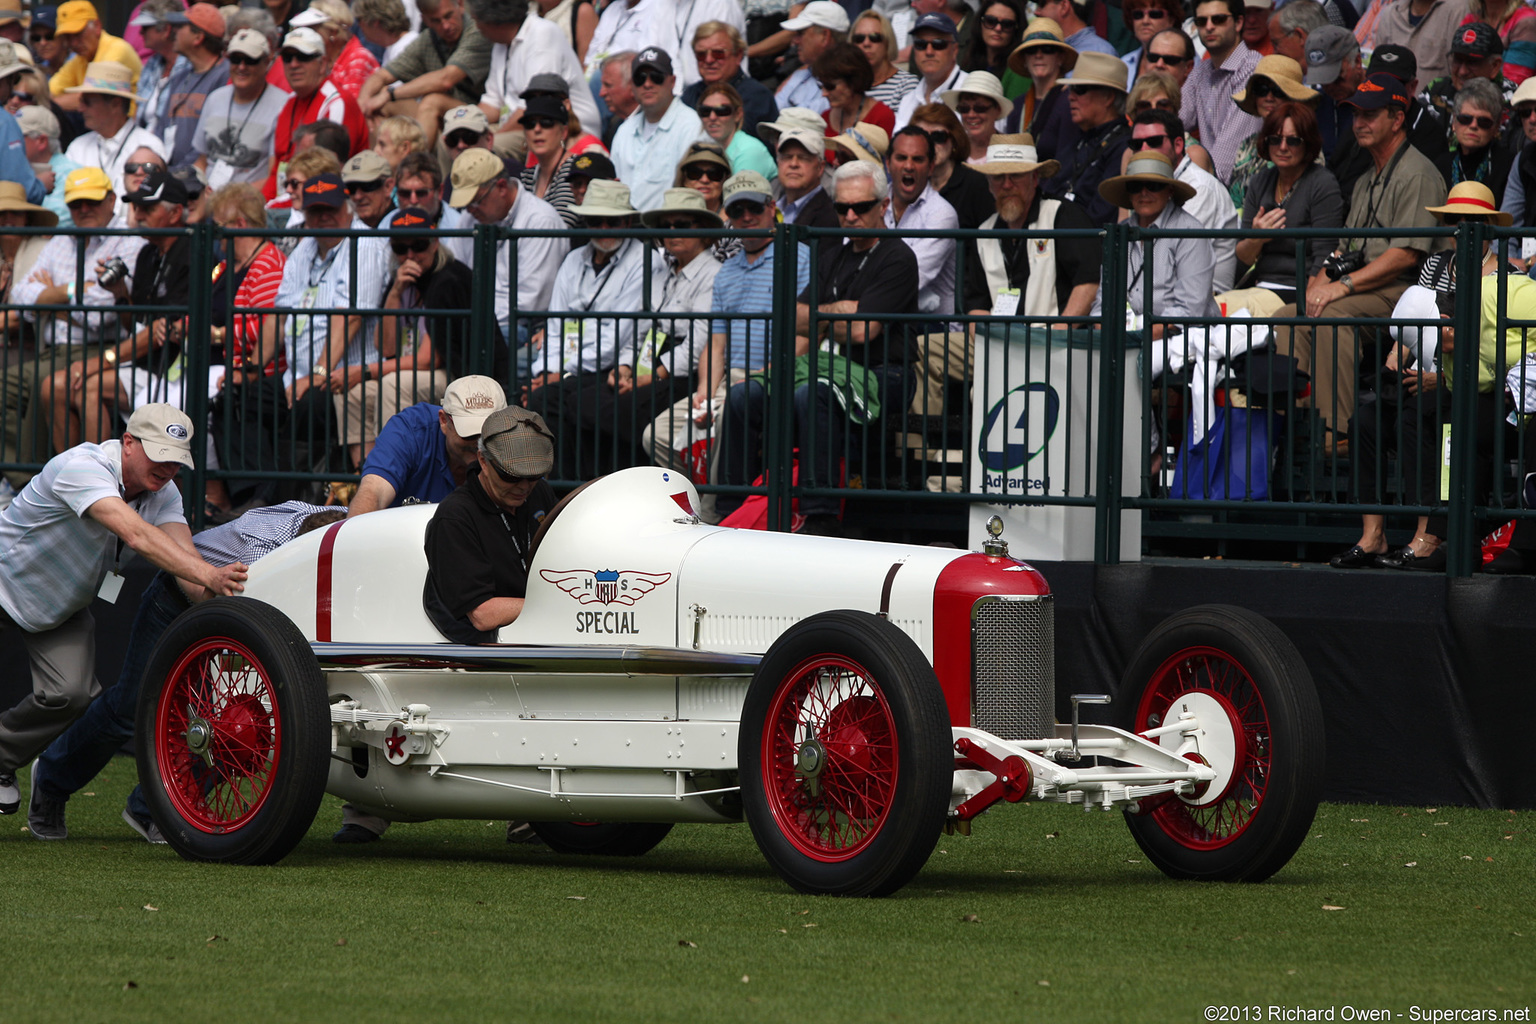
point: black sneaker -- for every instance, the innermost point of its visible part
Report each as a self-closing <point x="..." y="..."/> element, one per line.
<point x="45" y="818"/>
<point x="10" y="794"/>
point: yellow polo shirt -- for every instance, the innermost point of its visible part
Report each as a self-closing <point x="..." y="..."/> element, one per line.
<point x="109" y="47"/>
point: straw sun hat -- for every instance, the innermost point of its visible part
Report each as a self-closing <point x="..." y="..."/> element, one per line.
<point x="1281" y="72"/>
<point x="1147" y="165"/>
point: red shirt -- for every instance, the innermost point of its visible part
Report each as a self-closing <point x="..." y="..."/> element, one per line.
<point x="259" y="289"/>
<point x="353" y="66"/>
<point x="327" y="104"/>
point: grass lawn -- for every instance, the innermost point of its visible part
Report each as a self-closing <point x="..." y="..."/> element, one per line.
<point x="1045" y="913"/>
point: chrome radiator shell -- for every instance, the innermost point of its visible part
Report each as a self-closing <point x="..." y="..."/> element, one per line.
<point x="1013" y="667"/>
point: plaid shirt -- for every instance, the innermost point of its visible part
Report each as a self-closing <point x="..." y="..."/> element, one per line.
<point x="1209" y="111"/>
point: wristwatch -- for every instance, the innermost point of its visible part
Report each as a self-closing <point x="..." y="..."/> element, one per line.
<point x="1348" y="282"/>
<point x="391" y="90"/>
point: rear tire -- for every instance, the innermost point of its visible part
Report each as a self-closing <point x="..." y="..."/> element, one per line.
<point x="233" y="733"/>
<point x="602" y="839"/>
<point x="1264" y="735"/>
<point x="845" y="756"/>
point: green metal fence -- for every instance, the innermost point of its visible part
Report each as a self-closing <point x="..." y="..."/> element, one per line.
<point x="1109" y="446"/>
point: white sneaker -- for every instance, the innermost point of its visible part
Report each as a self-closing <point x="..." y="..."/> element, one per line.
<point x="145" y="827"/>
<point x="10" y="794"/>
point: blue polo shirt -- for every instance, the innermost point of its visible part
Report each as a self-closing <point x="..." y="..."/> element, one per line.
<point x="413" y="456"/>
<point x="747" y="287"/>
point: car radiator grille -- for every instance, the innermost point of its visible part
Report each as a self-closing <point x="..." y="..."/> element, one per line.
<point x="1013" y="644"/>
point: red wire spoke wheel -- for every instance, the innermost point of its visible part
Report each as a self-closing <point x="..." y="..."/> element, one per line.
<point x="845" y="757"/>
<point x="233" y="733"/>
<point x="218" y="735"/>
<point x="1259" y="727"/>
<point x="831" y="770"/>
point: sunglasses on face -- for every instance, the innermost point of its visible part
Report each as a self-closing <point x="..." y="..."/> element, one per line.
<point x="1150" y="142"/>
<point x="1525" y="110"/>
<point x="140" y="168"/>
<point x="295" y="57"/>
<point x="1170" y="59"/>
<point x="508" y="478"/>
<point x="21" y="97"/>
<point x="606" y="222"/>
<point x="1262" y="88"/>
<point x="746" y="208"/>
<point x="413" y="193"/>
<point x="716" y="110"/>
<point x="675" y="224"/>
<point x="939" y="45"/>
<point x="1290" y="141"/>
<point x="1142" y="14"/>
<point x="858" y="209"/>
<point x="1212" y="19"/>
<point x="460" y="140"/>
<point x="982" y="107"/>
<point x="240" y="60"/>
<point x="648" y="77"/>
<point x="1039" y="51"/>
<point x="859" y="38"/>
<point x="81" y="205"/>
<point x="1161" y="104"/>
<point x="355" y="187"/>
<point x="541" y="122"/>
<point x="1001" y="24"/>
<point x="1155" y="187"/>
<point x="710" y="56"/>
<point x="939" y="137"/>
<point x="704" y="172"/>
<point x="415" y="245"/>
<point x="1467" y="120"/>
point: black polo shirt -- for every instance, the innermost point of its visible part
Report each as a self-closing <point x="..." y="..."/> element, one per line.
<point x="883" y="280"/>
<point x="476" y="552"/>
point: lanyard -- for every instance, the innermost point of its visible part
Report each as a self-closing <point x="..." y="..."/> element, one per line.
<point x="325" y="264"/>
<point x="602" y="282"/>
<point x="837" y="282"/>
<point x="107" y="165"/>
<point x="193" y="91"/>
<point x="229" y="111"/>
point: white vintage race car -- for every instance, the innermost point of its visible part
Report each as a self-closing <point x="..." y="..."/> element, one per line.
<point x="850" y="700"/>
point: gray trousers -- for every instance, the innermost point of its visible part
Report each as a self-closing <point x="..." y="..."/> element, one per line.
<point x="63" y="686"/>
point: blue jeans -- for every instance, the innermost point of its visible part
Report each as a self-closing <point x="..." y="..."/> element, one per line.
<point x="79" y="755"/>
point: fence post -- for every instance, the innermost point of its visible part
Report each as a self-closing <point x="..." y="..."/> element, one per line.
<point x="1461" y="539"/>
<point x="482" y="308"/>
<point x="778" y="443"/>
<point x="1111" y="419"/>
<point x="199" y="326"/>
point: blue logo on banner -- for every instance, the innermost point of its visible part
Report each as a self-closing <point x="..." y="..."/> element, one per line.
<point x="1027" y="435"/>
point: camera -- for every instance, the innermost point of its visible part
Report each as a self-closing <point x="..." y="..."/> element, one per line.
<point x="1347" y="262"/>
<point x="113" y="271"/>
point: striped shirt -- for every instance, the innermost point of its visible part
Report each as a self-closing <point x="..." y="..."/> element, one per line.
<point x="312" y="281"/>
<point x="894" y="89"/>
<point x="258" y="290"/>
<point x="53" y="557"/>
<point x="743" y="287"/>
<point x="559" y="194"/>
<point x="259" y="532"/>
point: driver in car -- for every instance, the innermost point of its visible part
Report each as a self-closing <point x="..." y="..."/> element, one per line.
<point x="479" y="541"/>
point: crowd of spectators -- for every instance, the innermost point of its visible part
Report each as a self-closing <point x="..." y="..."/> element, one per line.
<point x="415" y="117"/>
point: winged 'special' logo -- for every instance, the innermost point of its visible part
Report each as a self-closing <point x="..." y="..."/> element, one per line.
<point x="605" y="586"/>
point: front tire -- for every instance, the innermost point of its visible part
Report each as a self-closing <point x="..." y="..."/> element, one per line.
<point x="845" y="756"/>
<point x="233" y="733"/>
<point x="1263" y="733"/>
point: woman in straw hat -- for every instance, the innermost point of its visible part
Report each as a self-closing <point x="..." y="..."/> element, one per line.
<point x="982" y="108"/>
<point x="1043" y="57"/>
<point x="866" y="142"/>
<point x="18" y="252"/>
<point x="1276" y="80"/>
<point x="1293" y="191"/>
<point x="1178" y="281"/>
<point x="1406" y="416"/>
<point x="704" y="168"/>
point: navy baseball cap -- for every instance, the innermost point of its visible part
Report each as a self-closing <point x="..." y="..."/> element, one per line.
<point x="46" y="17"/>
<point x="937" y="22"/>
<point x="1379" y="90"/>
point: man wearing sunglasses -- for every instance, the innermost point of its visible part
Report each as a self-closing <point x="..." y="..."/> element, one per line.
<point x="314" y="99"/>
<point x="1394" y="193"/>
<point x="47" y="49"/>
<point x="1208" y="108"/>
<point x="419" y="183"/>
<point x="238" y="124"/>
<point x="935" y="59"/>
<point x="819" y="24"/>
<point x="1476" y="51"/>
<point x="479" y="542"/>
<point x="869" y="278"/>
<point x="370" y="185"/>
<point x="648" y="146"/>
<point x="718" y="50"/>
<point x="1091" y="151"/>
<point x="1161" y="131"/>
